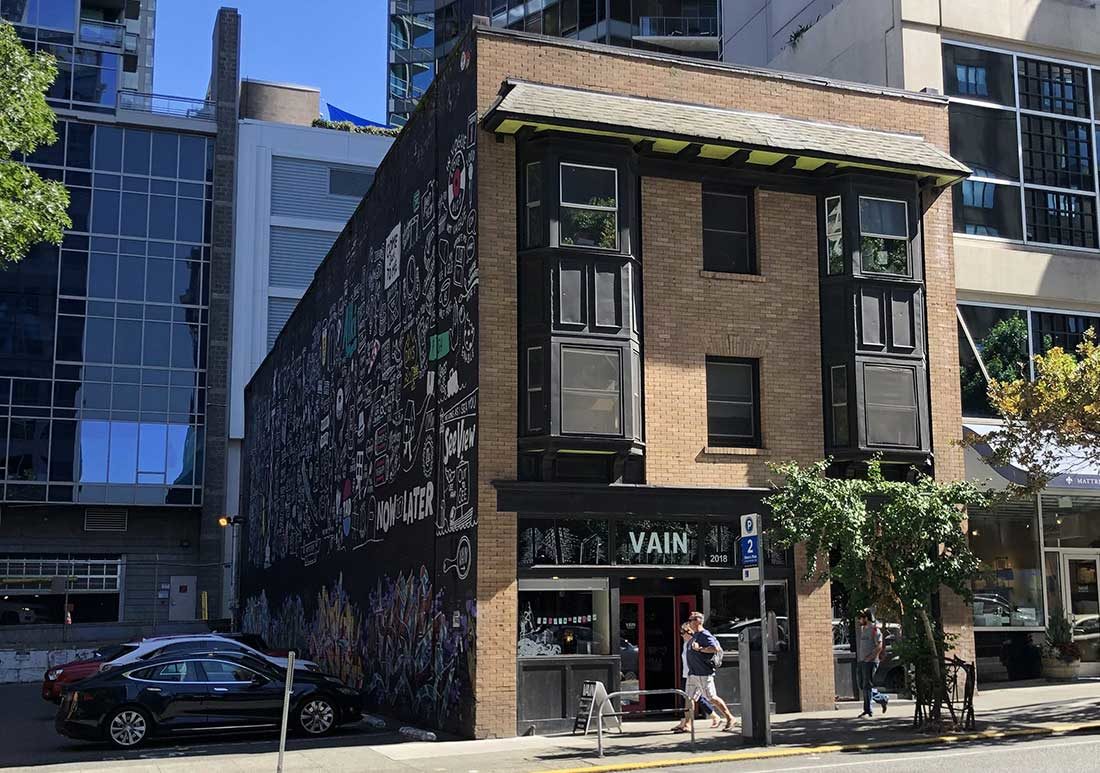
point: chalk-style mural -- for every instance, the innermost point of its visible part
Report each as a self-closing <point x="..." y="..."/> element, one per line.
<point x="360" y="459"/>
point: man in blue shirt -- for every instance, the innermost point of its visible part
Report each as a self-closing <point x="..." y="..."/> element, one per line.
<point x="700" y="681"/>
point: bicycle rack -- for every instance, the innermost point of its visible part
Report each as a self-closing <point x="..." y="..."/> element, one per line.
<point x="605" y="701"/>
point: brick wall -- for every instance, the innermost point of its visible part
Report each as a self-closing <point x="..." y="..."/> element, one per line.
<point x="495" y="677"/>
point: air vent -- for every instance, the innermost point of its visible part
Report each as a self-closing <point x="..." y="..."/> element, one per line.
<point x="103" y="519"/>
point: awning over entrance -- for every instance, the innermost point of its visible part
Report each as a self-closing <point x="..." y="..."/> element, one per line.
<point x="1074" y="473"/>
<point x="759" y="140"/>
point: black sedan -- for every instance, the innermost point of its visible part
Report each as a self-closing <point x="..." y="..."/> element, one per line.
<point x="200" y="693"/>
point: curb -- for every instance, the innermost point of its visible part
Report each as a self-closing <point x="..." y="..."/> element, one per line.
<point x="1065" y="728"/>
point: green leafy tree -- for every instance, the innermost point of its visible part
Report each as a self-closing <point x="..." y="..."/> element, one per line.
<point x="893" y="544"/>
<point x="1052" y="423"/>
<point x="32" y="210"/>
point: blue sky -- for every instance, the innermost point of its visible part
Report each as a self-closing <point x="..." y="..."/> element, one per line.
<point x="338" y="46"/>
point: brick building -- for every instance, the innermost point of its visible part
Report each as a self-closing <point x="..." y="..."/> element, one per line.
<point x="504" y="442"/>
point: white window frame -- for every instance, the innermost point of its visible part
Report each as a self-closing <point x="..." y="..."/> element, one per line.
<point x="1093" y="119"/>
<point x="562" y="204"/>
<point x="893" y="237"/>
<point x="528" y="205"/>
<point x="834" y="404"/>
<point x="838" y="234"/>
<point x="532" y="389"/>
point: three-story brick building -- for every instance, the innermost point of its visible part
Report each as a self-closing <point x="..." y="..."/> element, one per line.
<point x="505" y="440"/>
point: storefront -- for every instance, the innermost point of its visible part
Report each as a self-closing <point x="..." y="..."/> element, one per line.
<point x="602" y="596"/>
<point x="1040" y="557"/>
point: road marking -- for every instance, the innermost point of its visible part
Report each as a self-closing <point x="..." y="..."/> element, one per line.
<point x="939" y="756"/>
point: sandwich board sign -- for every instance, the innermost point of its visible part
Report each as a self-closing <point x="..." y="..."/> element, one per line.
<point x="592" y="696"/>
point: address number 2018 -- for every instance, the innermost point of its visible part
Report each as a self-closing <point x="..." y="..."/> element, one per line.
<point x="718" y="558"/>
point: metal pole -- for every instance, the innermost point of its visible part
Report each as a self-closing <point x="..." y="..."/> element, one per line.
<point x="764" y="646"/>
<point x="286" y="707"/>
<point x="599" y="729"/>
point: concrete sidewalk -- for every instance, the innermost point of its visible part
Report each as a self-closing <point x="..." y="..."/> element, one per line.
<point x="1005" y="713"/>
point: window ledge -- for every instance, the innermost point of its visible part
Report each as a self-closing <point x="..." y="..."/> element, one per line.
<point x="734" y="451"/>
<point x="731" y="277"/>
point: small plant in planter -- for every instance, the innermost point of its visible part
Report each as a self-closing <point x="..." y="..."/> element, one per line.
<point x="1061" y="654"/>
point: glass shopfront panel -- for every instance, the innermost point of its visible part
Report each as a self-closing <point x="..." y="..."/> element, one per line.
<point x="564" y="617"/>
<point x="1009" y="591"/>
<point x="547" y="542"/>
<point x="663" y="543"/>
<point x="1071" y="521"/>
<point x="736" y="607"/>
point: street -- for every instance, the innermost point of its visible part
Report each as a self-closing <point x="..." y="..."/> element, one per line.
<point x="30" y="738"/>
<point x="1077" y="753"/>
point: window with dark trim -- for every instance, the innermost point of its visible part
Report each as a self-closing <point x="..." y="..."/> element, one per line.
<point x="838" y="399"/>
<point x="728" y="239"/>
<point x="733" y="405"/>
<point x="1051" y="87"/>
<point x="591" y="391"/>
<point x="350" y="182"/>
<point x="884" y="236"/>
<point x="532" y="224"/>
<point x="1057" y="153"/>
<point x="536" y="411"/>
<point x="1060" y="218"/>
<point x="834" y="235"/>
<point x="589" y="206"/>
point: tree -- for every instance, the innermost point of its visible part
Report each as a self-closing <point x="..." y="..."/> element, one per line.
<point x="1003" y="352"/>
<point x="32" y="210"/>
<point x="894" y="545"/>
<point x="1052" y="423"/>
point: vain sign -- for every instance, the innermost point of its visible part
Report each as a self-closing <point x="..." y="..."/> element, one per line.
<point x="658" y="543"/>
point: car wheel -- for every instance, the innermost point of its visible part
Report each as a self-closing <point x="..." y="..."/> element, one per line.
<point x="317" y="716"/>
<point x="128" y="727"/>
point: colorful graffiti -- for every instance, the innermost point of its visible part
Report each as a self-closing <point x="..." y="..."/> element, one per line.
<point x="360" y="455"/>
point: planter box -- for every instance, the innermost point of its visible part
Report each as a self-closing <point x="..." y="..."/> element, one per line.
<point x="1053" y="668"/>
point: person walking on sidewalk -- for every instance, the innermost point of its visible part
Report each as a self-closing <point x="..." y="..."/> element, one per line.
<point x="701" y="667"/>
<point x="869" y="648"/>
<point x="704" y="704"/>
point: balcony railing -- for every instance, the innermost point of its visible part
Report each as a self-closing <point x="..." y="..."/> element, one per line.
<point x="102" y="33"/>
<point x="183" y="107"/>
<point x="675" y="26"/>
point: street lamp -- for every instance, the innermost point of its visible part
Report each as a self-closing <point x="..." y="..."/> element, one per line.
<point x="234" y="566"/>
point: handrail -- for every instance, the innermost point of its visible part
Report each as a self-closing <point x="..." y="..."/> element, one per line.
<point x="609" y="696"/>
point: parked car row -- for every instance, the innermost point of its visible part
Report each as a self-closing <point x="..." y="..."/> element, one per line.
<point x="192" y="684"/>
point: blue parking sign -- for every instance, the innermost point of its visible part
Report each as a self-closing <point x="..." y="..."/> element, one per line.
<point x="750" y="550"/>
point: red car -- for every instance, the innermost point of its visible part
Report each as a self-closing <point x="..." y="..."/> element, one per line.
<point x="57" y="677"/>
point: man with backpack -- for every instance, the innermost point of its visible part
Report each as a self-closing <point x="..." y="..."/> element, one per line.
<point x="704" y="656"/>
<point x="869" y="649"/>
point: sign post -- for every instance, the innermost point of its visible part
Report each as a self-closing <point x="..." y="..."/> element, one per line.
<point x="752" y="547"/>
<point x="286" y="707"/>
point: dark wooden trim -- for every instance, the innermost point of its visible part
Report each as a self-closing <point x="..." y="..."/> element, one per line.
<point x="557" y="498"/>
<point x="689" y="152"/>
<point x="825" y="170"/>
<point x="737" y="158"/>
<point x="784" y="164"/>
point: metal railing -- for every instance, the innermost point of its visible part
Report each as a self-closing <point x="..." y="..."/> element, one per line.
<point x="606" y="700"/>
<point x="671" y="26"/>
<point x="102" y="33"/>
<point x="160" y="104"/>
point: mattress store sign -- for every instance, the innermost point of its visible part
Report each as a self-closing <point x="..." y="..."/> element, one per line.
<point x="657" y="543"/>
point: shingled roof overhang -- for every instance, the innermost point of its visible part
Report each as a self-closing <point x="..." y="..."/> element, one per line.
<point x="733" y="137"/>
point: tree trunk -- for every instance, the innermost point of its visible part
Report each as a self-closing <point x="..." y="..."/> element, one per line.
<point x="937" y="657"/>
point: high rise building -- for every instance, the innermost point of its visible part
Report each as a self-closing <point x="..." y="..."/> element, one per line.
<point x="423" y="32"/>
<point x="1023" y="81"/>
<point x="113" y="360"/>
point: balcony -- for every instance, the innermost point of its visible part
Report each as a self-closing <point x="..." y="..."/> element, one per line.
<point x="102" y="33"/>
<point x="159" y="104"/>
<point x="691" y="34"/>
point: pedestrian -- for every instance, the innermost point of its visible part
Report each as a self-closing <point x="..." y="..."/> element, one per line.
<point x="704" y="704"/>
<point x="701" y="667"/>
<point x="869" y="650"/>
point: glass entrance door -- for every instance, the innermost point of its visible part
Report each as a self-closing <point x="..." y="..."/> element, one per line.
<point x="1083" y="596"/>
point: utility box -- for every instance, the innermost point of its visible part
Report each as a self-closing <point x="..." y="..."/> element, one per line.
<point x="754" y="697"/>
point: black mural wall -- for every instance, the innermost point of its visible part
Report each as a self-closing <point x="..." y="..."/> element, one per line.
<point x="361" y="426"/>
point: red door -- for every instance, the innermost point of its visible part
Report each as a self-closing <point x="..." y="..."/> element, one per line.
<point x="631" y="644"/>
<point x="684" y="606"/>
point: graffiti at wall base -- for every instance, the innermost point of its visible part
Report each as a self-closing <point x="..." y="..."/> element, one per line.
<point x="408" y="655"/>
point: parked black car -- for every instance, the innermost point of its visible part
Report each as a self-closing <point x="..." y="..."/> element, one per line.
<point x="200" y="693"/>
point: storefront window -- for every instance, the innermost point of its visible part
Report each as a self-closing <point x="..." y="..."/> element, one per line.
<point x="735" y="607"/>
<point x="661" y="543"/>
<point x="1009" y="591"/>
<point x="563" y="617"/>
<point x="1071" y="521"/>
<point x="1052" y="563"/>
<point x="563" y="543"/>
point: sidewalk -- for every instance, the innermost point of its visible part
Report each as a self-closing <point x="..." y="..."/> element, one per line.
<point x="1005" y="713"/>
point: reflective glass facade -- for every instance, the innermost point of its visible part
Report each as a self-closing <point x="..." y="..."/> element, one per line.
<point x="103" y="340"/>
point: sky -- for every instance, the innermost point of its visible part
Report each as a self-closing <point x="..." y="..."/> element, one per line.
<point x="338" y="46"/>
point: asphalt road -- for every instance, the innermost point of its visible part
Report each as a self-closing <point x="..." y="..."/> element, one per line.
<point x="29" y="738"/>
<point x="1057" y="755"/>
